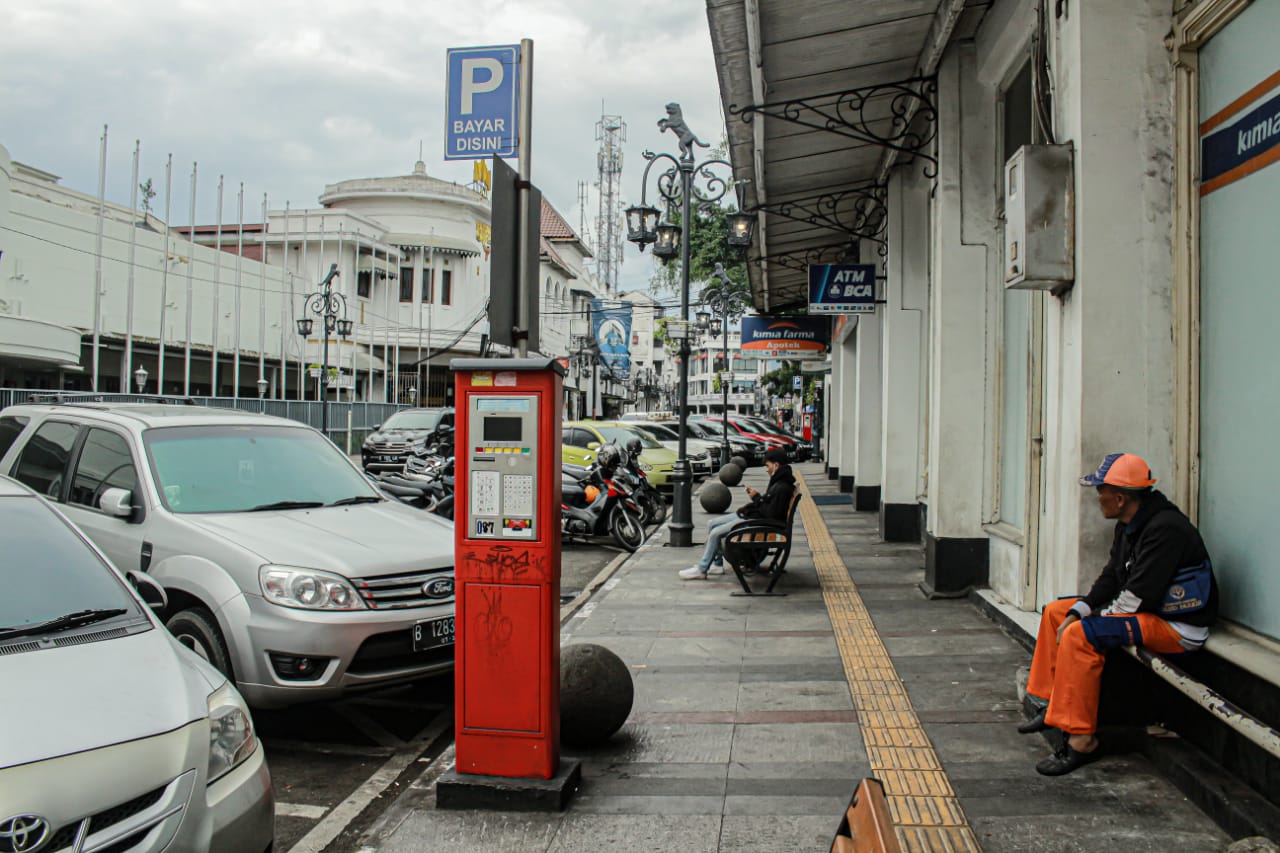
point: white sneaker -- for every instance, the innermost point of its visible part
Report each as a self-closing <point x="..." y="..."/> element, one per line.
<point x="693" y="573"/>
<point x="716" y="569"/>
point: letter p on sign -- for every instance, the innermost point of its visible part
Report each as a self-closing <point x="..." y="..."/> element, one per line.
<point x="473" y="69"/>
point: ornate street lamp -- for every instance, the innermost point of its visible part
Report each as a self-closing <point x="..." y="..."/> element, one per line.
<point x="742" y="227"/>
<point x="262" y="394"/>
<point x="683" y="182"/>
<point x="140" y="377"/>
<point x="331" y="307"/>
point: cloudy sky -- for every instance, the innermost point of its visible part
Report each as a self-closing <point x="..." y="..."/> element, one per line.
<point x="288" y="96"/>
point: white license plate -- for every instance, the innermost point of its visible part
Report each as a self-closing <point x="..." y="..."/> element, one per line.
<point x="390" y="459"/>
<point x="433" y="633"/>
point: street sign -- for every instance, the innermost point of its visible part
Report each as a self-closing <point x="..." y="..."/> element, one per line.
<point x="795" y="382"/>
<point x="842" y="288"/>
<point x="481" y="97"/>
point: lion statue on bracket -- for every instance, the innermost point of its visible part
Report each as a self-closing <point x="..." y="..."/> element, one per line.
<point x="674" y="122"/>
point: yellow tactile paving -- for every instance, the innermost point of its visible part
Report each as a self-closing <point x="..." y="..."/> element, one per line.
<point x="926" y="814"/>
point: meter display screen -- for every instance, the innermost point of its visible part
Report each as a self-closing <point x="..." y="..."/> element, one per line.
<point x="503" y="429"/>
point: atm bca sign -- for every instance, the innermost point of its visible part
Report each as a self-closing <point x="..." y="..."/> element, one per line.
<point x="842" y="288"/>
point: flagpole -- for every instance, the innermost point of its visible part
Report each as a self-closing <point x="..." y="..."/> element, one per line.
<point x="97" y="262"/>
<point x="217" y="294"/>
<point x="431" y="259"/>
<point x="191" y="263"/>
<point x="302" y="357"/>
<point x="164" y="273"/>
<point x="262" y="297"/>
<point x="343" y="286"/>
<point x="285" y="306"/>
<point x="235" y="337"/>
<point x="127" y="369"/>
<point x="322" y="387"/>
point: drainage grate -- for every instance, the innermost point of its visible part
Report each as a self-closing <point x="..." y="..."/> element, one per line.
<point x="832" y="500"/>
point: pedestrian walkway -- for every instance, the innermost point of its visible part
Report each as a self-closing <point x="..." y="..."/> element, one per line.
<point x="755" y="719"/>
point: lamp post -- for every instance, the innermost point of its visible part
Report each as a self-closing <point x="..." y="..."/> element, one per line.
<point x="678" y="185"/>
<point x="728" y="305"/>
<point x="262" y="394"/>
<point x="140" y="377"/>
<point x="332" y="308"/>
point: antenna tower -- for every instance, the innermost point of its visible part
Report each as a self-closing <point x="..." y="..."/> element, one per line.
<point x="611" y="132"/>
<point x="584" y="194"/>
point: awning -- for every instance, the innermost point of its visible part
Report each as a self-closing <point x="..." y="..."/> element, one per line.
<point x="816" y="93"/>
<point x="437" y="242"/>
<point x="27" y="341"/>
<point x="385" y="268"/>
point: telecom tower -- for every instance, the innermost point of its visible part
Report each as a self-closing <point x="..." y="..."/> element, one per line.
<point x="611" y="132"/>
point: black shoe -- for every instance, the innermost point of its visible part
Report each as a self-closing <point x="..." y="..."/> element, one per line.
<point x="1035" y="724"/>
<point x="1065" y="760"/>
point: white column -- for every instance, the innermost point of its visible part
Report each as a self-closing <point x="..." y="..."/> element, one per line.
<point x="963" y="297"/>
<point x="867" y="407"/>
<point x="903" y="319"/>
<point x="836" y="420"/>
<point x="847" y="428"/>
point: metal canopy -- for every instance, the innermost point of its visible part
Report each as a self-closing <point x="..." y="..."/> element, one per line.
<point x="822" y="99"/>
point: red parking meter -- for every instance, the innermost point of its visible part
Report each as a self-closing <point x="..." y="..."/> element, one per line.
<point x="806" y="428"/>
<point x="507" y="566"/>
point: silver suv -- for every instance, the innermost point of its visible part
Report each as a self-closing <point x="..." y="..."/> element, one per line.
<point x="284" y="567"/>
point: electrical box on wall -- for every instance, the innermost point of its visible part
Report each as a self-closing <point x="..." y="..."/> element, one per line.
<point x="1039" y="228"/>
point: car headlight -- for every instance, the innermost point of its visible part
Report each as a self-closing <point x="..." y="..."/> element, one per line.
<point x="645" y="466"/>
<point x="231" y="737"/>
<point x="309" y="589"/>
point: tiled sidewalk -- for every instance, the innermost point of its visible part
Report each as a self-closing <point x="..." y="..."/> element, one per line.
<point x="746" y="735"/>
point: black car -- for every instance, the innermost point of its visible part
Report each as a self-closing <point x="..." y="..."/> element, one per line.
<point x="405" y="432"/>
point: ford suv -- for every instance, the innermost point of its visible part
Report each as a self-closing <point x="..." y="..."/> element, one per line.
<point x="284" y="567"/>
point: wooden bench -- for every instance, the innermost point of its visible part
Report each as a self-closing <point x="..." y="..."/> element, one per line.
<point x="867" y="826"/>
<point x="759" y="546"/>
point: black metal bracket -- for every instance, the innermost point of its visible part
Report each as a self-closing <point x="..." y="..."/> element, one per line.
<point x="860" y="212"/>
<point x="907" y="107"/>
<point x="833" y="253"/>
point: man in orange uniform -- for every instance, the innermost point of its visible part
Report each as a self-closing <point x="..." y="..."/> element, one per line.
<point x="1156" y="591"/>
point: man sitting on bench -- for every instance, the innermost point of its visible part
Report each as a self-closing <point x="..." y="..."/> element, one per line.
<point x="1157" y="591"/>
<point x="770" y="506"/>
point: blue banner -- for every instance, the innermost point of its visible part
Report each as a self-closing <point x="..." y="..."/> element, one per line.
<point x="842" y="288"/>
<point x="611" y="326"/>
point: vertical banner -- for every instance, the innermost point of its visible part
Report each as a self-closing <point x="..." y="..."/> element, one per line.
<point x="612" y="330"/>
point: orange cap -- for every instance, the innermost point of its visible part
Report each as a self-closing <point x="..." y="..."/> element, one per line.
<point x="1122" y="470"/>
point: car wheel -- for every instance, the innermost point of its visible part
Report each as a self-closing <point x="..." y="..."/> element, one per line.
<point x="196" y="629"/>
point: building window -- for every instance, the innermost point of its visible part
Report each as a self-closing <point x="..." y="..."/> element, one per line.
<point x="364" y="284"/>
<point x="406" y="284"/>
<point x="428" y="285"/>
<point x="446" y="287"/>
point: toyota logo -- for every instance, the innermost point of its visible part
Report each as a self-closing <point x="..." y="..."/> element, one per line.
<point x="24" y="833"/>
<point x="438" y="588"/>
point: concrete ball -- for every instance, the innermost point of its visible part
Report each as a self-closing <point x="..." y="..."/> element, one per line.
<point x="596" y="694"/>
<point x="715" y="497"/>
<point x="731" y="474"/>
<point x="741" y="462"/>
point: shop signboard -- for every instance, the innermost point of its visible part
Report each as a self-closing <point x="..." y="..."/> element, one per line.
<point x="842" y="288"/>
<point x="786" y="337"/>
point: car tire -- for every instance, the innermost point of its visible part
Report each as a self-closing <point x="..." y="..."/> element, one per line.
<point x="197" y="629"/>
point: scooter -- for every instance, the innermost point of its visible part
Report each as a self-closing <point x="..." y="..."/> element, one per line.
<point x="594" y="505"/>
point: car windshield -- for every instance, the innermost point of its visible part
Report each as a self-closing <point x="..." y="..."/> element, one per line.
<point x="661" y="432"/>
<point x="764" y="427"/>
<point x="412" y="420"/>
<point x="241" y="468"/>
<point x="48" y="571"/>
<point x="623" y="434"/>
<point x="712" y="427"/>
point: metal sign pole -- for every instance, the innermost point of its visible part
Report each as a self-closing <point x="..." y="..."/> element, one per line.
<point x="526" y="287"/>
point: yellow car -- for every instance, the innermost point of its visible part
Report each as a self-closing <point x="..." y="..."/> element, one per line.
<point x="581" y="440"/>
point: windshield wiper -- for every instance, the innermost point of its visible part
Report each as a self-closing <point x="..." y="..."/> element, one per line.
<point x="357" y="499"/>
<point x="61" y="623"/>
<point x="286" y="505"/>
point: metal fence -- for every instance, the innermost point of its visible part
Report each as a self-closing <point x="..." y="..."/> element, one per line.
<point x="362" y="416"/>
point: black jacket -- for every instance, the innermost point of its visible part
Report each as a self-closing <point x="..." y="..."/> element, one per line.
<point x="1145" y="555"/>
<point x="776" y="500"/>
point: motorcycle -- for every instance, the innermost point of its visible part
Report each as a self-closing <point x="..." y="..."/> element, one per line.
<point x="653" y="507"/>
<point x="596" y="504"/>
<point x="426" y="483"/>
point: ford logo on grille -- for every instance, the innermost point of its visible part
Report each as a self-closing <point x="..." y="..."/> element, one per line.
<point x="24" y="833"/>
<point x="438" y="588"/>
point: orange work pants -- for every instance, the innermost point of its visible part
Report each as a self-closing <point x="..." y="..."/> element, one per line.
<point x="1068" y="675"/>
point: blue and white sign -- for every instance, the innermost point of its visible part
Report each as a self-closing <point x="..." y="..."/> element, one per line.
<point x="795" y="382"/>
<point x="842" y="288"/>
<point x="1235" y="150"/>
<point x="612" y="333"/>
<point x="481" y="97"/>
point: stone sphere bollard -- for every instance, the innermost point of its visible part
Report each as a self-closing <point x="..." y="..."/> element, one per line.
<point x="731" y="474"/>
<point x="741" y="462"/>
<point x="715" y="497"/>
<point x="596" y="693"/>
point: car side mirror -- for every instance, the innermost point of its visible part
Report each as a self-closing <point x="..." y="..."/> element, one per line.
<point x="593" y="445"/>
<point x="117" y="502"/>
<point x="149" y="590"/>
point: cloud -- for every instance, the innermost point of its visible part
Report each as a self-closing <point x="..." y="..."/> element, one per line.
<point x="290" y="96"/>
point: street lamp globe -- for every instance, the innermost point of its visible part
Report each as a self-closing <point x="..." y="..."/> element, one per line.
<point x="667" y="246"/>
<point x="304" y="326"/>
<point x="262" y="387"/>
<point x="702" y="319"/>
<point x="344" y="327"/>
<point x="140" y="378"/>
<point x="741" y="228"/>
<point x="717" y="326"/>
<point x="642" y="222"/>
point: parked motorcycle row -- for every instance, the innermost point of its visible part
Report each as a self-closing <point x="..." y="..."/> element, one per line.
<point x="610" y="499"/>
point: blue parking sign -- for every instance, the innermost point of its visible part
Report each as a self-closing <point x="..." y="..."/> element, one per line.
<point x="481" y="96"/>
